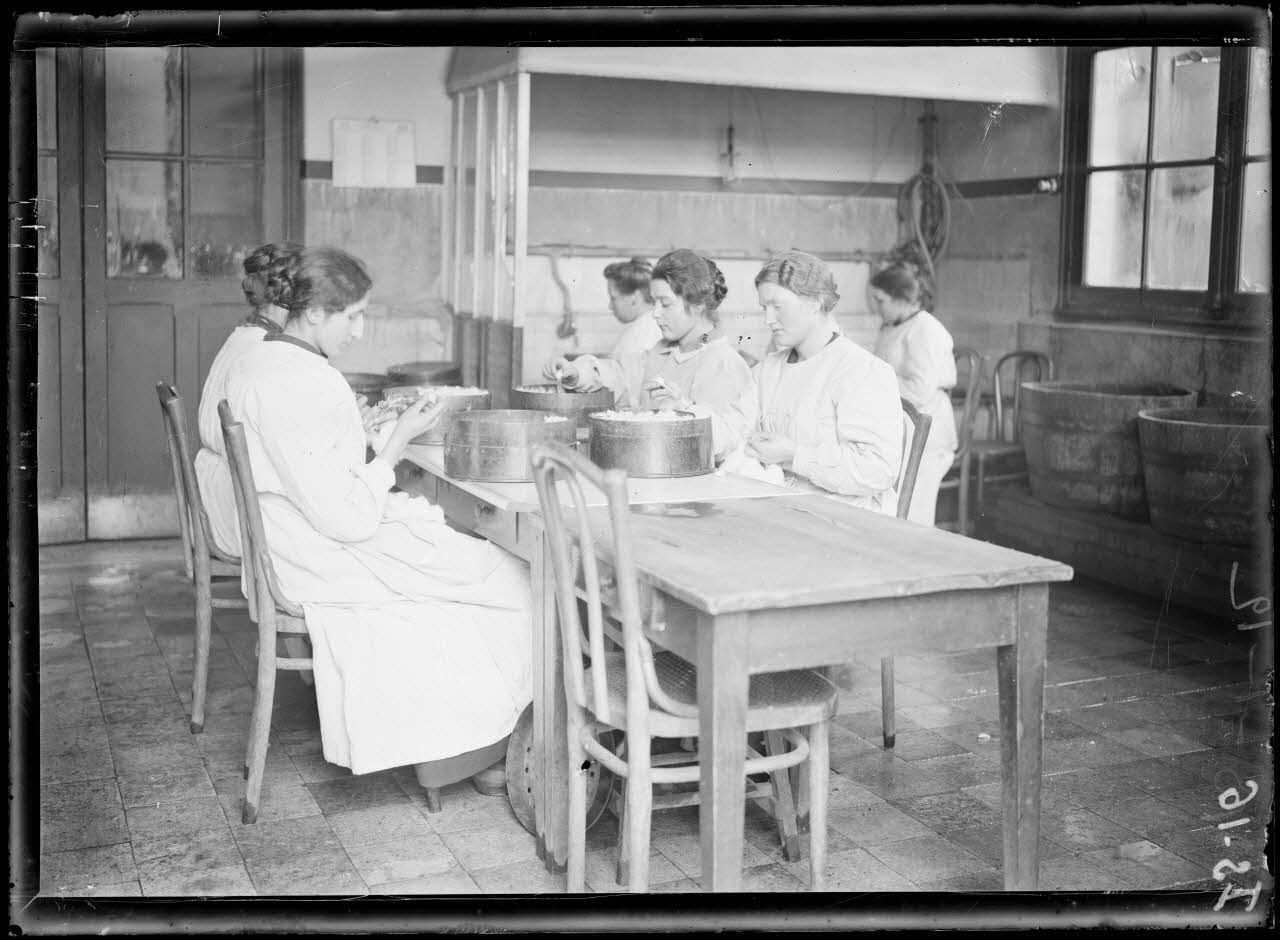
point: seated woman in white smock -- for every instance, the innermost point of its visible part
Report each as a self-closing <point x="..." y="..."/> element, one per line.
<point x="920" y="350"/>
<point x="261" y="284"/>
<point x="421" y="635"/>
<point x="830" y="416"/>
<point x="690" y="368"/>
<point x="631" y="305"/>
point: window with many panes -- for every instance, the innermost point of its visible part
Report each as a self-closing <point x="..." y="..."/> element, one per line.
<point x="1167" y="189"/>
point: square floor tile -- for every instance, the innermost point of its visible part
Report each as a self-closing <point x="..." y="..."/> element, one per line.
<point x="167" y="819"/>
<point x="148" y="789"/>
<point x="987" y="843"/>
<point x="855" y="870"/>
<point x="685" y="851"/>
<point x="1148" y="817"/>
<point x="945" y="811"/>
<point x="453" y="881"/>
<point x="601" y="868"/>
<point x="927" y="858"/>
<point x="1078" y="873"/>
<point x="1145" y="865"/>
<point x="875" y="823"/>
<point x="359" y="792"/>
<point x="524" y="877"/>
<point x="920" y="745"/>
<point x="1079" y="828"/>
<point x="406" y="858"/>
<point x="894" y="778"/>
<point x="81" y="815"/>
<point x="1152" y="741"/>
<point x="74" y="871"/>
<point x="282" y="839"/>
<point x="487" y="848"/>
<point x="192" y="851"/>
<point x="379" y="824"/>
<point x="220" y="881"/>
<point x="321" y="873"/>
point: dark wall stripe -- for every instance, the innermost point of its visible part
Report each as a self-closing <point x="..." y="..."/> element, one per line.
<point x="658" y="182"/>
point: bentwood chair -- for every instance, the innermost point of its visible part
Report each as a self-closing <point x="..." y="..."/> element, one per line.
<point x="1003" y="435"/>
<point x="968" y="393"/>
<point x="207" y="565"/>
<point x="646" y="693"/>
<point x="277" y="617"/>
<point x="906" y="488"/>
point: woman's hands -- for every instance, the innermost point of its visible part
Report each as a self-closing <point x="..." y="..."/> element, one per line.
<point x="418" y="418"/>
<point x="568" y="371"/>
<point x="770" y="448"/>
<point x="665" y="395"/>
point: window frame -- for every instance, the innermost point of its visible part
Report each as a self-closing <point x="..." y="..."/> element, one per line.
<point x="1220" y="304"/>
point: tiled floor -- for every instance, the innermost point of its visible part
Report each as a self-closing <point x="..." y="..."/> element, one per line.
<point x="1141" y="738"/>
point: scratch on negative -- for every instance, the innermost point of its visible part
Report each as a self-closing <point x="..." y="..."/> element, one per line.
<point x="994" y="113"/>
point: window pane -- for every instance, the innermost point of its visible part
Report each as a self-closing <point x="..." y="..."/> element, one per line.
<point x="1178" y="234"/>
<point x="226" y="107"/>
<point x="144" y="100"/>
<point x="1255" y="229"/>
<point x="1258" y="129"/>
<point x="47" y="216"/>
<point x="1113" y="228"/>
<point x="1118" y="112"/>
<point x="226" y="217"/>
<point x="144" y="218"/>
<point x="46" y="100"/>
<point x="1186" y="112"/>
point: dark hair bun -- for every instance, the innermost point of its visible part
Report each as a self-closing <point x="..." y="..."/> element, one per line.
<point x="269" y="274"/>
<point x="719" y="290"/>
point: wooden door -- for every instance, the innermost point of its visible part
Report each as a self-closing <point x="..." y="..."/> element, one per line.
<point x="60" y="480"/>
<point x="190" y="163"/>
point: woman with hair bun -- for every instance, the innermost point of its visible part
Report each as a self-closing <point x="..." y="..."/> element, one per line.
<point x="632" y="306"/>
<point x="690" y="367"/>
<point x="421" y="635"/>
<point x="830" y="416"/>
<point x="920" y="350"/>
<point x="265" y="273"/>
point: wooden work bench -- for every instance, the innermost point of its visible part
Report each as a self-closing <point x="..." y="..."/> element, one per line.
<point x="752" y="578"/>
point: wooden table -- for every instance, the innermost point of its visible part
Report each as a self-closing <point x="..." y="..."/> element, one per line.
<point x="758" y="585"/>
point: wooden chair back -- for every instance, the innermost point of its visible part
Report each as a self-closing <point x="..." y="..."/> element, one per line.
<point x="914" y="451"/>
<point x="560" y="472"/>
<point x="260" y="575"/>
<point x="969" y="372"/>
<point x="197" y="535"/>
<point x="1023" y="365"/>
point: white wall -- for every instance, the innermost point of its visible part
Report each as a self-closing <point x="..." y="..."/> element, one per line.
<point x="398" y="83"/>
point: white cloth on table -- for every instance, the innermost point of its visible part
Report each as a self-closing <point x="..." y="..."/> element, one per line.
<point x="420" y="634"/>
<point x="921" y="353"/>
<point x="841" y="408"/>
<point x="621" y="373"/>
<point x="213" y="473"/>
<point x="713" y="376"/>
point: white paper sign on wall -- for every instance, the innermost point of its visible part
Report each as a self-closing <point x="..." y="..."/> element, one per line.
<point x="373" y="152"/>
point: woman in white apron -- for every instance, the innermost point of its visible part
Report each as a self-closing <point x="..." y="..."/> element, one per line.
<point x="421" y="635"/>
<point x="919" y="349"/>
<point x="631" y="305"/>
<point x="830" y="416"/>
<point x="261" y="285"/>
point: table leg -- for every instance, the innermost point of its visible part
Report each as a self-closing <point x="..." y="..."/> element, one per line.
<point x="1020" y="668"/>
<point x="722" y="748"/>
<point x="550" y="778"/>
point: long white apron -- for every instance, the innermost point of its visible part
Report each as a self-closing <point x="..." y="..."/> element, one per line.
<point x="421" y="635"/>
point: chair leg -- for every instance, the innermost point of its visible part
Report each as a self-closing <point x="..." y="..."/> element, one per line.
<point x="963" y="527"/>
<point x="819" y="785"/>
<point x="784" y="804"/>
<point x="577" y="881"/>
<point x="259" y="729"/>
<point x="204" y="629"/>
<point x="886" y="702"/>
<point x="623" y="874"/>
<point x="639" y="814"/>
<point x="433" y="799"/>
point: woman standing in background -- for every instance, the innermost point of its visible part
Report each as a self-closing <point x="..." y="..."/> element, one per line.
<point x="919" y="348"/>
<point x="632" y="305"/>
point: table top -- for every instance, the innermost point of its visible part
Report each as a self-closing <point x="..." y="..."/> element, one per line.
<point x="794" y="551"/>
<point x="523" y="497"/>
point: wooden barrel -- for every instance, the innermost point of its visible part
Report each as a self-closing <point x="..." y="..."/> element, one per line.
<point x="1081" y="441"/>
<point x="1207" y="472"/>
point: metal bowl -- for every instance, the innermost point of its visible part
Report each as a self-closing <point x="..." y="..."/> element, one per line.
<point x="454" y="402"/>
<point x="653" y="448"/>
<point x="571" y="404"/>
<point x="425" y="373"/>
<point x="495" y="445"/>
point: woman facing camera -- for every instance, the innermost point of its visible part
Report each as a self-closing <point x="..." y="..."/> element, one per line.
<point x="264" y="271"/>
<point x="420" y="634"/>
<point x="690" y="367"/>
<point x="632" y="306"/>
<point x="830" y="415"/>
<point x="919" y="349"/>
